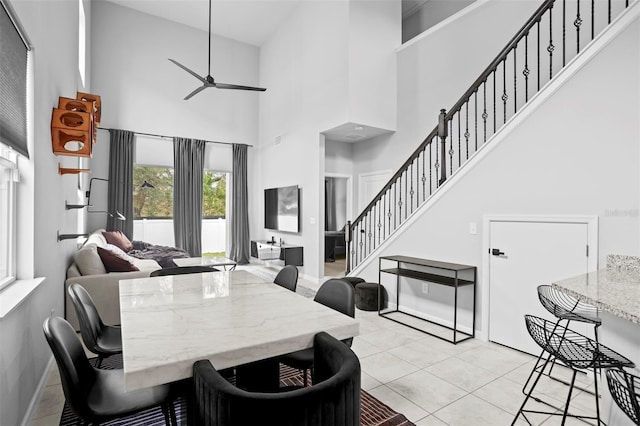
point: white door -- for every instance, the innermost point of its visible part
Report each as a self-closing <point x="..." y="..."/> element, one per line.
<point x="369" y="184"/>
<point x="523" y="255"/>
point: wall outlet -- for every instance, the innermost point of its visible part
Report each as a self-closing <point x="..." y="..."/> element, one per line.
<point x="473" y="229"/>
<point x="425" y="288"/>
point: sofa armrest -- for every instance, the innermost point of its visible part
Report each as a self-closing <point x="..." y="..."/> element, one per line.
<point x="104" y="290"/>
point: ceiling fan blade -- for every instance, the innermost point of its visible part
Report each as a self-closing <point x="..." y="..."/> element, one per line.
<point x="198" y="90"/>
<point x="189" y="71"/>
<point x="235" y="86"/>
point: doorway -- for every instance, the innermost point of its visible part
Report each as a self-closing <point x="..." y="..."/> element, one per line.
<point x="523" y="253"/>
<point x="337" y="203"/>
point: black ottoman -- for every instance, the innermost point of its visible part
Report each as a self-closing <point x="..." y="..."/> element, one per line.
<point x="353" y="280"/>
<point x="367" y="296"/>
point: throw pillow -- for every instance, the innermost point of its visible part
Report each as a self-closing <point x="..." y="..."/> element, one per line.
<point x="88" y="261"/>
<point x="114" y="263"/>
<point x="118" y="252"/>
<point x="118" y="239"/>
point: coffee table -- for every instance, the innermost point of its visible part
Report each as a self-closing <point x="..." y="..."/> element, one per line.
<point x="226" y="263"/>
<point x="231" y="318"/>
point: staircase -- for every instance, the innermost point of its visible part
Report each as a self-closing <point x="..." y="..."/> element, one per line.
<point x="554" y="35"/>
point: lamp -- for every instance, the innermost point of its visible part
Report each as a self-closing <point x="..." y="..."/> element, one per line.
<point x="118" y="215"/>
<point x="69" y="236"/>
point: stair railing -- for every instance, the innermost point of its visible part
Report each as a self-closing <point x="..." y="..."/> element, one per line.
<point x="551" y="37"/>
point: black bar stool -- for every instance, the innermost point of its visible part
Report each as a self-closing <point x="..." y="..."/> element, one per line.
<point x="625" y="391"/>
<point x="577" y="352"/>
<point x="565" y="308"/>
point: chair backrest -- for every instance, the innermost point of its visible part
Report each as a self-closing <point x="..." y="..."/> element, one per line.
<point x="182" y="270"/>
<point x="566" y="307"/>
<point x="287" y="278"/>
<point x="76" y="374"/>
<point x="339" y="295"/>
<point x="91" y="324"/>
<point x="334" y="398"/>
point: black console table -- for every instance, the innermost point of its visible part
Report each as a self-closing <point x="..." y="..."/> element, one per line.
<point x="267" y="250"/>
<point x="432" y="271"/>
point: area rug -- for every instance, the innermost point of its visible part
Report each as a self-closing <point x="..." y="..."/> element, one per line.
<point x="372" y="411"/>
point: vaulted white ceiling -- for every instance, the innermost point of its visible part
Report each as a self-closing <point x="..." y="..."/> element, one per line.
<point x="248" y="21"/>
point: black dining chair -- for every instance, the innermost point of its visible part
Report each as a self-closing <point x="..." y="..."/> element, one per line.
<point x="624" y="388"/>
<point x="336" y="294"/>
<point x="96" y="395"/>
<point x="334" y="398"/>
<point x="101" y="339"/>
<point x="179" y="270"/>
<point x="287" y="278"/>
<point x="577" y="352"/>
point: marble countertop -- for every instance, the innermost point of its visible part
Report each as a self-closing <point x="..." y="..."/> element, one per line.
<point x="614" y="290"/>
<point x="230" y="318"/>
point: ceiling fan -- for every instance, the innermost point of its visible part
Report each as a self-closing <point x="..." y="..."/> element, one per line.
<point x="208" y="81"/>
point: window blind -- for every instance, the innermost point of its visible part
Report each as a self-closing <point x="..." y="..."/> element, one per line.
<point x="13" y="81"/>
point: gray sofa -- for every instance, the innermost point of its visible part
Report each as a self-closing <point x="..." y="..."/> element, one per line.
<point x="88" y="270"/>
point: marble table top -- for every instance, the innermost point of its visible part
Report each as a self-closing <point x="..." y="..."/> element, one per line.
<point x="228" y="317"/>
<point x="611" y="290"/>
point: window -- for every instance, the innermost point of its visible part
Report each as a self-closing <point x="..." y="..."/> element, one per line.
<point x="157" y="202"/>
<point x="8" y="176"/>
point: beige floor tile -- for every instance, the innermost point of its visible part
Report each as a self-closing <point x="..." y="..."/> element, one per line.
<point x="388" y="339"/>
<point x="421" y="353"/>
<point x="462" y="374"/>
<point x="507" y="395"/>
<point x="385" y="367"/>
<point x="431" y="420"/>
<point x="363" y="349"/>
<point x="396" y="401"/>
<point x="367" y="382"/>
<point x="472" y="410"/>
<point x="427" y="391"/>
<point x="496" y="360"/>
<point x="54" y="377"/>
<point x="51" y="402"/>
<point x="52" y="420"/>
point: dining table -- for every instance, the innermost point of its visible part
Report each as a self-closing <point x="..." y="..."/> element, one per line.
<point x="232" y="318"/>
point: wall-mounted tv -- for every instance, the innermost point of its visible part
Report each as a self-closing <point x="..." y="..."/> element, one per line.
<point x="282" y="209"/>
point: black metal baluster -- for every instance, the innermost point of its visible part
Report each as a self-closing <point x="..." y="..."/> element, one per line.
<point x="484" y="112"/>
<point x="577" y="23"/>
<point x="424" y="175"/>
<point x="593" y="18"/>
<point x="538" y="56"/>
<point x="495" y="111"/>
<point x="460" y="139"/>
<point x="411" y="190"/>
<point x="406" y="197"/>
<point x="609" y="12"/>
<point x="504" y="90"/>
<point x="475" y="113"/>
<point x="466" y="130"/>
<point x="551" y="47"/>
<point x="430" y="167"/>
<point x="564" y="30"/>
<point x="525" y="72"/>
<point x="515" y="79"/>
<point x="451" y="151"/>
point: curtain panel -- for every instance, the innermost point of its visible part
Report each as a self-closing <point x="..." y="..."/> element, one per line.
<point x="240" y="241"/>
<point x="120" y="188"/>
<point x="188" y="165"/>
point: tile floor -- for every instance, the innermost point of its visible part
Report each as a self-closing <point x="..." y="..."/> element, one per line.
<point x="430" y="381"/>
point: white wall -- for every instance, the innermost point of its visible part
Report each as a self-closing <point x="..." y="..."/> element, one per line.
<point x="574" y="155"/>
<point x="53" y="30"/>
<point x="434" y="70"/>
<point x="431" y="13"/>
<point x="142" y="91"/>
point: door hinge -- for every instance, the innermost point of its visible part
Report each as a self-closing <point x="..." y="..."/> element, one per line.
<point x="587" y="250"/>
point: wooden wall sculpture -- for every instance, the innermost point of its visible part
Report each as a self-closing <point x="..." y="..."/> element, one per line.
<point x="74" y="125"/>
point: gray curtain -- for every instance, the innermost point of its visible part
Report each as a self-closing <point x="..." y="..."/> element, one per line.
<point x="240" y="242"/>
<point x="120" y="188"/>
<point x="188" y="165"/>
